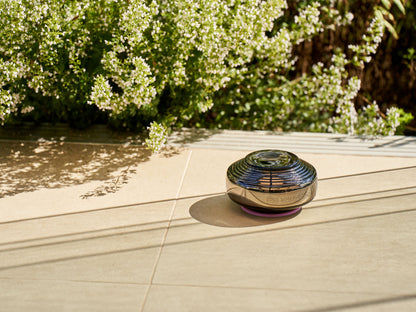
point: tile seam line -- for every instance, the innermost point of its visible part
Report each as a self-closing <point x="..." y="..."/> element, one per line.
<point x="270" y="288"/>
<point x="166" y="231"/>
<point x="71" y="281"/>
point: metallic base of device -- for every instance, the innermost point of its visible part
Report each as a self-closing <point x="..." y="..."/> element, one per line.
<point x="271" y="214"/>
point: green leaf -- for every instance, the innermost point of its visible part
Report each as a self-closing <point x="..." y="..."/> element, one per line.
<point x="399" y="4"/>
<point x="391" y="29"/>
<point x="379" y="14"/>
<point x="386" y="4"/>
<point x="385" y="14"/>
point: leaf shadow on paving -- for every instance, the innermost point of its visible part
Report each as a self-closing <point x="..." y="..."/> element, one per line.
<point x="30" y="166"/>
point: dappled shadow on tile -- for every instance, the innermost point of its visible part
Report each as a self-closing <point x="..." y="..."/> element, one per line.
<point x="29" y="166"/>
<point x="221" y="211"/>
<point x="400" y="141"/>
<point x="186" y="136"/>
<point x="379" y="141"/>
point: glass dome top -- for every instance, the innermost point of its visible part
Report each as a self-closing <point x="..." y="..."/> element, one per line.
<point x="271" y="159"/>
<point x="271" y="171"/>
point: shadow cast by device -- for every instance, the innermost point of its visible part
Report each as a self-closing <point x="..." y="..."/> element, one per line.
<point x="221" y="211"/>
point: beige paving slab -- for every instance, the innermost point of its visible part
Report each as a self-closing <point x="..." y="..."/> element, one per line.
<point x="21" y="295"/>
<point x="195" y="298"/>
<point x="48" y="178"/>
<point x="112" y="245"/>
<point x="328" y="166"/>
<point x="365" y="254"/>
<point x="88" y="224"/>
<point x="207" y="168"/>
<point x="368" y="183"/>
<point x="361" y="245"/>
<point x="206" y="171"/>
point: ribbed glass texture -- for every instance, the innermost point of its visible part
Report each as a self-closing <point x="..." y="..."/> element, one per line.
<point x="271" y="171"/>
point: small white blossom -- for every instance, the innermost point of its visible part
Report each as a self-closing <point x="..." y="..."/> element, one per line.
<point x="157" y="137"/>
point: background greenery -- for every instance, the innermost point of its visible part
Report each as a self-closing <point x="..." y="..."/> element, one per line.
<point x="325" y="65"/>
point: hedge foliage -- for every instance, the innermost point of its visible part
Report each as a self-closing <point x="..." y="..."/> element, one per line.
<point x="216" y="64"/>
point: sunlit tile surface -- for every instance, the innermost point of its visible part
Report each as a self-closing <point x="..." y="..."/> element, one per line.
<point x="96" y="227"/>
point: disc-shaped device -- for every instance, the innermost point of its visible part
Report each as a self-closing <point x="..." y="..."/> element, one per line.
<point x="271" y="181"/>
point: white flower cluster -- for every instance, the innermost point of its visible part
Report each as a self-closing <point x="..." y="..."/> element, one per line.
<point x="101" y="94"/>
<point x="157" y="137"/>
<point x="371" y="39"/>
<point x="214" y="40"/>
<point x="370" y="121"/>
<point x="309" y="22"/>
<point x="322" y="92"/>
<point x="135" y="20"/>
<point x="347" y="115"/>
<point x="131" y="75"/>
<point x="6" y="105"/>
<point x="277" y="52"/>
<point x="367" y="121"/>
<point x="36" y="39"/>
<point x="393" y="121"/>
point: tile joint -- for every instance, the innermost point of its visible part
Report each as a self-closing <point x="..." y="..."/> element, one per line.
<point x="167" y="230"/>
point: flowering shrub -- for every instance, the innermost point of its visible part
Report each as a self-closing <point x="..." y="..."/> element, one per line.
<point x="187" y="63"/>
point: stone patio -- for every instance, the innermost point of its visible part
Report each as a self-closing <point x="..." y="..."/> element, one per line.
<point x="102" y="225"/>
